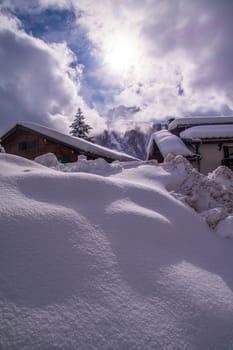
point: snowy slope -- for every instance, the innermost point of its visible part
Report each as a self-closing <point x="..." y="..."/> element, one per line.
<point x="108" y="261"/>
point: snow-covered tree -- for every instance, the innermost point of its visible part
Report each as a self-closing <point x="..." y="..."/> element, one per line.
<point x="79" y="127"/>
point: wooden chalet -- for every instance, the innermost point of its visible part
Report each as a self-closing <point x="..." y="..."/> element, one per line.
<point x="30" y="140"/>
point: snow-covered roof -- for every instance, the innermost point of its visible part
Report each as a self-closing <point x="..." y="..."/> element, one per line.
<point x="208" y="132"/>
<point x="169" y="143"/>
<point x="199" y="120"/>
<point x="76" y="142"/>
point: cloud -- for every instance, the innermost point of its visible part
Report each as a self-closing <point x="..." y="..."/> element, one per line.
<point x="178" y="43"/>
<point x="202" y="31"/>
<point x="182" y="58"/>
<point x="40" y="82"/>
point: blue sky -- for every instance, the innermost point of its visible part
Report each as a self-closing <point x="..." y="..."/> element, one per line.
<point x="58" y="25"/>
<point x="169" y="58"/>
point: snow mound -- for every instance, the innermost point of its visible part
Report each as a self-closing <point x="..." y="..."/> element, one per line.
<point x="225" y="227"/>
<point x="214" y="216"/>
<point x="211" y="195"/>
<point x="10" y="162"/>
<point x="222" y="175"/>
<point x="94" y="262"/>
<point x="48" y="159"/>
<point x="95" y="166"/>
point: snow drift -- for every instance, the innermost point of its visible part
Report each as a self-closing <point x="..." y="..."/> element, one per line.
<point x="211" y="196"/>
<point x="108" y="262"/>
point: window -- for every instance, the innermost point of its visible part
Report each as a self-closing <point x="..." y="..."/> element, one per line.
<point x="31" y="144"/>
<point x="23" y="146"/>
<point x="64" y="159"/>
<point x="228" y="156"/>
<point x="228" y="151"/>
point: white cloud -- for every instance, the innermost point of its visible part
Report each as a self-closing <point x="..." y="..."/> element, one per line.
<point x="182" y="55"/>
<point x="176" y="43"/>
<point x="38" y="82"/>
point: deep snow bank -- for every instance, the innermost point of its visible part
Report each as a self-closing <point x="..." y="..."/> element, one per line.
<point x="211" y="196"/>
<point x="93" y="262"/>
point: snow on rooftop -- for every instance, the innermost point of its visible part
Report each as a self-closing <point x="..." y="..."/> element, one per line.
<point x="168" y="143"/>
<point x="199" y="120"/>
<point x="78" y="142"/>
<point x="208" y="132"/>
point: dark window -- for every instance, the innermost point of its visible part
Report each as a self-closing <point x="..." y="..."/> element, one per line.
<point x="228" y="156"/>
<point x="22" y="146"/>
<point x="64" y="159"/>
<point x="226" y="151"/>
<point x="31" y="144"/>
<point x="230" y="150"/>
<point x="27" y="145"/>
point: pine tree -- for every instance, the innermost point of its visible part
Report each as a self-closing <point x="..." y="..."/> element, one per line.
<point x="79" y="128"/>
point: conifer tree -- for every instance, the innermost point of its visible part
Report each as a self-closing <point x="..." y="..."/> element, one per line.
<point x="79" y="128"/>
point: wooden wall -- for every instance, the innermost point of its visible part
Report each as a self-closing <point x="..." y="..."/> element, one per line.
<point x="37" y="145"/>
<point x="155" y="153"/>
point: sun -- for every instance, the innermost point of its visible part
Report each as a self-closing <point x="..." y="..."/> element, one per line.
<point x="122" y="55"/>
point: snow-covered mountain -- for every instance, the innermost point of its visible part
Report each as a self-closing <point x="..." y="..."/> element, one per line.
<point x="132" y="142"/>
<point x="121" y="112"/>
<point x="126" y="133"/>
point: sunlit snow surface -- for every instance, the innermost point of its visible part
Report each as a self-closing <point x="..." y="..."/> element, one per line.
<point x="109" y="261"/>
